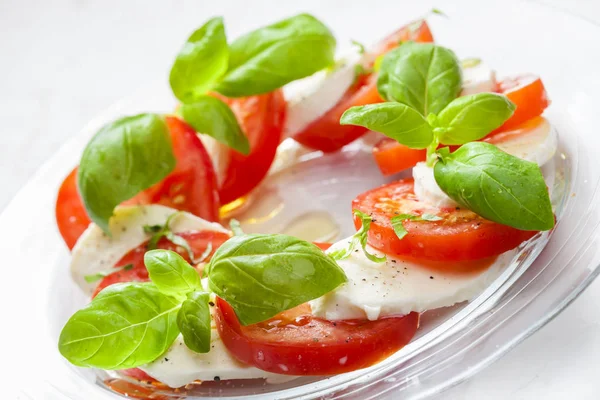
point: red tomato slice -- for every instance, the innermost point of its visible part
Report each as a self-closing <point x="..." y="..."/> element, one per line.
<point x="262" y="120"/>
<point x="392" y="157"/>
<point x="71" y="216"/>
<point x="325" y="133"/>
<point x="198" y="241"/>
<point x="296" y="343"/>
<point x="529" y="95"/>
<point x="191" y="187"/>
<point x="461" y="234"/>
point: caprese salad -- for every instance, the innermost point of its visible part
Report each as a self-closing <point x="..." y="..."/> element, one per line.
<point x="179" y="298"/>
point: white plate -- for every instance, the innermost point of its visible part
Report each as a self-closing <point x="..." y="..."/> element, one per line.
<point x="38" y="295"/>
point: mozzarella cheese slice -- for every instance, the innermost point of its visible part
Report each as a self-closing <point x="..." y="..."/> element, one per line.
<point x="426" y="188"/>
<point x="219" y="155"/>
<point x="398" y="287"/>
<point x="536" y="141"/>
<point x="478" y="78"/>
<point x="95" y="252"/>
<point x="311" y="97"/>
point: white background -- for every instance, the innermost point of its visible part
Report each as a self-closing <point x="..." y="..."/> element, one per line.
<point x="63" y="61"/>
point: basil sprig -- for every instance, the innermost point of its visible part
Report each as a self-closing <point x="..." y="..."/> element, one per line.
<point x="496" y="185"/>
<point x="358" y="239"/>
<point x="122" y="159"/>
<point x="263" y="275"/>
<point x="131" y="324"/>
<point x="201" y="62"/>
<point x="423" y="76"/>
<point x="274" y="55"/>
<point x="125" y="326"/>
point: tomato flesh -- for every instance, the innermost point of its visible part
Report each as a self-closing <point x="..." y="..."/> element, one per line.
<point x="262" y="119"/>
<point x="529" y="95"/>
<point x="198" y="241"/>
<point x="71" y="217"/>
<point x="296" y="343"/>
<point x="461" y="235"/>
<point x="325" y="133"/>
<point x="191" y="186"/>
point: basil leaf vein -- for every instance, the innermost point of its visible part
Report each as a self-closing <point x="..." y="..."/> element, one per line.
<point x="472" y="117"/>
<point x="270" y="57"/>
<point x="423" y="76"/>
<point x="395" y="120"/>
<point x="263" y="275"/>
<point x="201" y="62"/>
<point x="211" y="116"/>
<point x="125" y="326"/>
<point x="193" y="320"/>
<point x="496" y="185"/>
<point x="122" y="159"/>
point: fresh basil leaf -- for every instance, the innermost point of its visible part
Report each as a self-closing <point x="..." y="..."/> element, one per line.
<point x="201" y="62"/>
<point x="359" y="238"/>
<point x="472" y="117"/>
<point x="212" y="117"/>
<point x="235" y="227"/>
<point x="125" y="326"/>
<point x="272" y="56"/>
<point x="496" y="185"/>
<point x="263" y="275"/>
<point x="94" y="277"/>
<point x="395" y="120"/>
<point x="193" y="320"/>
<point x="171" y="274"/>
<point x="397" y="222"/>
<point x="122" y="159"/>
<point x="359" y="46"/>
<point x="423" y="76"/>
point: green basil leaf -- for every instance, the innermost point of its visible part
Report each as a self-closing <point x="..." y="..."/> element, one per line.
<point x="235" y="227"/>
<point x="212" y="117"/>
<point x="496" y="185"/>
<point x="193" y="320"/>
<point x="359" y="238"/>
<point x="171" y="274"/>
<point x="423" y="76"/>
<point x="94" y="277"/>
<point x="397" y="222"/>
<point x="395" y="120"/>
<point x="472" y="117"/>
<point x="201" y="62"/>
<point x="263" y="275"/>
<point x="125" y="326"/>
<point x="122" y="159"/>
<point x="272" y="56"/>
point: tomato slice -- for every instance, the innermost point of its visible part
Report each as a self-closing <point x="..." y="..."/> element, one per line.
<point x="71" y="217"/>
<point x="325" y="133"/>
<point x="198" y="241"/>
<point x="529" y="95"/>
<point x="192" y="186"/>
<point x="461" y="234"/>
<point x="296" y="343"/>
<point x="392" y="157"/>
<point x="262" y="119"/>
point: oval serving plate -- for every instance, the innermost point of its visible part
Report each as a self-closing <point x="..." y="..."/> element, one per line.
<point x="453" y="343"/>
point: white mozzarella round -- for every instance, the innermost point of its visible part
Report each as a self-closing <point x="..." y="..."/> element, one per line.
<point x="426" y="188"/>
<point x="478" y="78"/>
<point x="219" y="155"/>
<point x="536" y="142"/>
<point x="398" y="287"/>
<point x="309" y="98"/>
<point x="95" y="252"/>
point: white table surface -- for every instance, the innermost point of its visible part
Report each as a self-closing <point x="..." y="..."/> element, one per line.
<point x="63" y="61"/>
